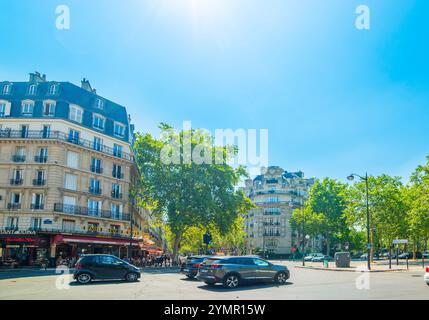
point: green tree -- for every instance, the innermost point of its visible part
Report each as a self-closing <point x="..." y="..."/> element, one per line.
<point x="386" y="206"/>
<point x="324" y="212"/>
<point x="188" y="193"/>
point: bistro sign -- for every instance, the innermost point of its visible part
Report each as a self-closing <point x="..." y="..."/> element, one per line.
<point x="20" y="232"/>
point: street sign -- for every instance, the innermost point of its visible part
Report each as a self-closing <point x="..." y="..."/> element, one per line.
<point x="400" y="241"/>
<point x="369" y="246"/>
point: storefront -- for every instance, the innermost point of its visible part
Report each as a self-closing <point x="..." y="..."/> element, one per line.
<point x="23" y="249"/>
<point x="72" y="246"/>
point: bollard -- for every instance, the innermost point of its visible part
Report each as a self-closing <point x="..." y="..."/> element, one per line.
<point x="407" y="262"/>
<point x="325" y="263"/>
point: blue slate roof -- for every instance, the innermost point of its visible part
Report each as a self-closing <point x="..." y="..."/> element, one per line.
<point x="68" y="93"/>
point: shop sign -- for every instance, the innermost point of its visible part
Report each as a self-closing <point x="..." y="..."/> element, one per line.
<point x="21" y="232"/>
<point x="47" y="221"/>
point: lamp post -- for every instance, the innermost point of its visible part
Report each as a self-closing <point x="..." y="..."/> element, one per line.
<point x="368" y="247"/>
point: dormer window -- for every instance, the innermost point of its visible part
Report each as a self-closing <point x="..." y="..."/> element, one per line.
<point x="49" y="109"/>
<point x="98" y="122"/>
<point x="32" y="89"/>
<point x="76" y="114"/>
<point x="27" y="108"/>
<point x="119" y="130"/>
<point x="7" y="88"/>
<point x="99" y="104"/>
<point x="54" y="89"/>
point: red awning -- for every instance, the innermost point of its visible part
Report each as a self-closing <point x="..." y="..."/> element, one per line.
<point x="95" y="240"/>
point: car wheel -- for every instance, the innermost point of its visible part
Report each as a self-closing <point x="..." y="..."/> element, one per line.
<point x="281" y="278"/>
<point x="231" y="281"/>
<point x="84" y="278"/>
<point x="131" y="277"/>
<point x="191" y="276"/>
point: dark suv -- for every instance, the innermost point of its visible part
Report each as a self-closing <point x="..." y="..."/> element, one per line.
<point x="190" y="268"/>
<point x="232" y="271"/>
<point x="104" y="267"/>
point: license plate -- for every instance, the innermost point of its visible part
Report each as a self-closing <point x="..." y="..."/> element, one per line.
<point x="186" y="270"/>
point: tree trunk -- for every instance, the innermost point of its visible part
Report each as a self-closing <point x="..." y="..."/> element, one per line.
<point x="177" y="239"/>
<point x="328" y="246"/>
<point x="414" y="249"/>
<point x="372" y="244"/>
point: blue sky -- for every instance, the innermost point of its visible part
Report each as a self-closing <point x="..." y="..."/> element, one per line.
<point x="335" y="99"/>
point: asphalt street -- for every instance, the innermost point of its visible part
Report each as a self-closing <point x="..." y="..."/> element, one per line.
<point x="303" y="284"/>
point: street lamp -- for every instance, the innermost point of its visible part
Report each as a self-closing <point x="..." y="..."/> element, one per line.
<point x="368" y="247"/>
<point x="306" y="238"/>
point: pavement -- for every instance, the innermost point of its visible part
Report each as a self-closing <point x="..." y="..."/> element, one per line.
<point x="170" y="285"/>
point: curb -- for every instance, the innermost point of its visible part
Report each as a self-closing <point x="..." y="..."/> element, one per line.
<point x="352" y="269"/>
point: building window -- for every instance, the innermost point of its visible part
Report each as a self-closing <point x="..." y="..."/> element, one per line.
<point x="17" y="177"/>
<point x="24" y="131"/>
<point x="27" y="108"/>
<point x="96" y="165"/>
<point x="37" y="201"/>
<point x="94" y="208"/>
<point x="98" y="142"/>
<point x="54" y="89"/>
<point x="40" y="178"/>
<point x="49" y="109"/>
<point x="117" y="150"/>
<point x="119" y="130"/>
<point x="42" y="155"/>
<point x="32" y="89"/>
<point x="69" y="204"/>
<point x="76" y="114"/>
<point x="116" y="211"/>
<point x="99" y="104"/>
<point x="12" y="223"/>
<point x="36" y="223"/>
<point x="3" y="110"/>
<point x="19" y="155"/>
<point x="46" y="131"/>
<point x="15" y="202"/>
<point x="116" y="191"/>
<point x="7" y="88"/>
<point x="68" y="226"/>
<point x="94" y="186"/>
<point x="98" y="122"/>
<point x="117" y="171"/>
<point x="72" y="159"/>
<point x="74" y="136"/>
<point x="70" y="182"/>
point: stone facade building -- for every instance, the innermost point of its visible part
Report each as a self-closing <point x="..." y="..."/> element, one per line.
<point x="276" y="193"/>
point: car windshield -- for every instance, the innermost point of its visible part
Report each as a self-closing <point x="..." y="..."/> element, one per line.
<point x="210" y="261"/>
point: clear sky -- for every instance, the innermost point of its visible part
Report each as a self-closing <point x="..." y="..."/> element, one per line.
<point x="335" y="99"/>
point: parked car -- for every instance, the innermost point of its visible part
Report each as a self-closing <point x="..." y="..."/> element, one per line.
<point x="311" y="256"/>
<point x="104" y="267"/>
<point x="321" y="258"/>
<point x="425" y="254"/>
<point x="406" y="255"/>
<point x="427" y="276"/>
<point x="191" y="266"/>
<point x="233" y="271"/>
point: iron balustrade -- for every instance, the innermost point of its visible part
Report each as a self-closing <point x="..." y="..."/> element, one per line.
<point x="16" y="182"/>
<point x="84" y="211"/>
<point x="117" y="175"/>
<point x="41" y="159"/>
<point x="61" y="136"/>
<point x="116" y="195"/>
<point x="40" y="206"/>
<point x="13" y="206"/>
<point x="18" y="158"/>
<point x="39" y="182"/>
<point x="96" y="191"/>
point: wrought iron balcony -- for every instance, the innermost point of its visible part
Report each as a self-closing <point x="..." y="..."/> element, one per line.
<point x="61" y="136"/>
<point x="96" y="191"/>
<point x="117" y="175"/>
<point x="16" y="182"/>
<point x="96" y="169"/>
<point x="116" y="195"/>
<point x="39" y="206"/>
<point x="13" y="206"/>
<point x="41" y="159"/>
<point x="18" y="158"/>
<point x="39" y="182"/>
<point x="84" y="211"/>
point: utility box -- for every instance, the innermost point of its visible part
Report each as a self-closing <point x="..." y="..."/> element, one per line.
<point x="342" y="259"/>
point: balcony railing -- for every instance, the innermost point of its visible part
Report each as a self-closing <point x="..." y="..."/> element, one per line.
<point x="39" y="206"/>
<point x="13" y="206"/>
<point x="18" y="158"/>
<point x="116" y="195"/>
<point x="96" y="191"/>
<point x="84" y="211"/>
<point x="117" y="175"/>
<point x="39" y="182"/>
<point x="96" y="169"/>
<point x="41" y="159"/>
<point x="61" y="136"/>
<point x="16" y="182"/>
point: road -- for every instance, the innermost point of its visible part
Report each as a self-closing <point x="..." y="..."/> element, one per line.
<point x="304" y="284"/>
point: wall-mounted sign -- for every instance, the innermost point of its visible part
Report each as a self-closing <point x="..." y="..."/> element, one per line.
<point x="47" y="221"/>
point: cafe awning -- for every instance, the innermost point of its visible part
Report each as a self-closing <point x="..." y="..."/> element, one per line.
<point x="93" y="240"/>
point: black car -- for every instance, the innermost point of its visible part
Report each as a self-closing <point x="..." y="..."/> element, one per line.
<point x="190" y="268"/>
<point x="104" y="267"/>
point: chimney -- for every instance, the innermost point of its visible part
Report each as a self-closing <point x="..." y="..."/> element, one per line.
<point x="37" y="77"/>
<point x="87" y="86"/>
